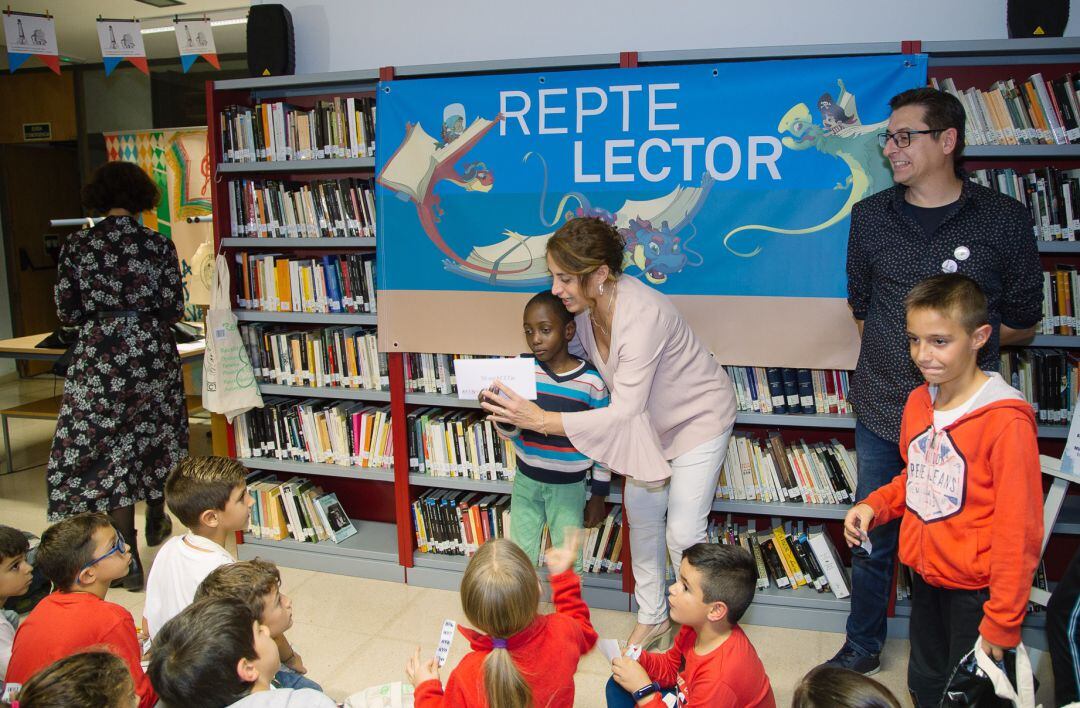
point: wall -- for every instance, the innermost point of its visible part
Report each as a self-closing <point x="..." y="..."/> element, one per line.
<point x="7" y="366"/>
<point x="338" y="35"/>
<point x="120" y="101"/>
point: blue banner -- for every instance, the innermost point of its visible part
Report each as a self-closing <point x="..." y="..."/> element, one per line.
<point x="731" y="179"/>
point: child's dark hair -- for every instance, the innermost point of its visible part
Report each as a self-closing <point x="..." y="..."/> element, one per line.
<point x="833" y="687"/>
<point x="558" y="308"/>
<point x="248" y="581"/>
<point x="942" y="111"/>
<point x="13" y="543"/>
<point x="67" y="546"/>
<point x="952" y="294"/>
<point x="194" y="657"/>
<point x="89" y="678"/>
<point x="199" y="484"/>
<point x="123" y="185"/>
<point x="728" y="575"/>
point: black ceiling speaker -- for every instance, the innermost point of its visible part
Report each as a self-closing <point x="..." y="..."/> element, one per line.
<point x="270" y="47"/>
<point x="1037" y="18"/>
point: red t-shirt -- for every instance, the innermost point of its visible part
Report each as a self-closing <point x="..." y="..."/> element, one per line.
<point x="65" y="623"/>
<point x="729" y="676"/>
<point x="546" y="653"/>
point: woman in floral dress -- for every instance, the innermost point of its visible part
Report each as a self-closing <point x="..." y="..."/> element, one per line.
<point x="123" y="421"/>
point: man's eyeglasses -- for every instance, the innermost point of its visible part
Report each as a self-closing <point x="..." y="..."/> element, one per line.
<point x="902" y="138"/>
<point x="119" y="547"/>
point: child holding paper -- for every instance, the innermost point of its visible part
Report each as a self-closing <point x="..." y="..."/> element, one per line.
<point x="550" y="485"/>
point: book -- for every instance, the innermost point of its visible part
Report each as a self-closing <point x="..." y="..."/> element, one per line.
<point x="338" y="521"/>
<point x="829" y="560"/>
<point x="776" y="390"/>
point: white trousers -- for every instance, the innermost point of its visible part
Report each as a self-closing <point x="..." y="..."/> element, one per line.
<point x="665" y="520"/>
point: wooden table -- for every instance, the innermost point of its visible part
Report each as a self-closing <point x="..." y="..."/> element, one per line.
<point x="49" y="408"/>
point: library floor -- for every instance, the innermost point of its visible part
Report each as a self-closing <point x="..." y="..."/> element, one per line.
<point x="354" y="633"/>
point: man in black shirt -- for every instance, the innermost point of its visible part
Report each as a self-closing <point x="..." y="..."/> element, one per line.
<point x="932" y="221"/>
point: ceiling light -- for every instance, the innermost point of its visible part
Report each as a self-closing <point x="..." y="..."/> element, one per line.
<point x="213" y="23"/>
<point x="162" y="3"/>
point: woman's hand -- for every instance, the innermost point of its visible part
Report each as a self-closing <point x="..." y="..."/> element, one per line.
<point x="513" y="409"/>
<point x="419" y="670"/>
<point x="595" y="512"/>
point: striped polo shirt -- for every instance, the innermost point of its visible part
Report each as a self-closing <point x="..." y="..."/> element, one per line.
<point x="552" y="458"/>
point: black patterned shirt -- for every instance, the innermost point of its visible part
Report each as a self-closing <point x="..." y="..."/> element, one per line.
<point x="986" y="236"/>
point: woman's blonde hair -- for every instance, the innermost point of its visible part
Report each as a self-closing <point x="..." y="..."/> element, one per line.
<point x="90" y="678"/>
<point x="500" y="593"/>
<point x="582" y="245"/>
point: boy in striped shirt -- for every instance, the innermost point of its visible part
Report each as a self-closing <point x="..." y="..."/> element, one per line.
<point x="549" y="487"/>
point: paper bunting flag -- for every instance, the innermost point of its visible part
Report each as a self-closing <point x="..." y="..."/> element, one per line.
<point x="120" y="40"/>
<point x="195" y="38"/>
<point x="30" y="35"/>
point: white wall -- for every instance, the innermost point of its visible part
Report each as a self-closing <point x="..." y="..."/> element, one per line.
<point x="338" y="35"/>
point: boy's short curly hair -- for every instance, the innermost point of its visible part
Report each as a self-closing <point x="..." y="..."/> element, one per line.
<point x="248" y="581"/>
<point x="198" y="484"/>
<point x="67" y="546"/>
<point x="89" y="678"/>
<point x="13" y="543"/>
<point x="120" y="185"/>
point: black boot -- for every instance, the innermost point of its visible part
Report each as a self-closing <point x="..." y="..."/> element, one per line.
<point x="134" y="580"/>
<point x="158" y="523"/>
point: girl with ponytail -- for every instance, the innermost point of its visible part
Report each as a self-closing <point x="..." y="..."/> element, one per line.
<point x="519" y="658"/>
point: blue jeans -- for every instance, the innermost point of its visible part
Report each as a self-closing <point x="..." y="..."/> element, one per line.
<point x="871" y="577"/>
<point x="619" y="697"/>
<point x="287" y="678"/>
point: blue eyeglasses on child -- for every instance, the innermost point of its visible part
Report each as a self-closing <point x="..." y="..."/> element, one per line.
<point x="119" y="546"/>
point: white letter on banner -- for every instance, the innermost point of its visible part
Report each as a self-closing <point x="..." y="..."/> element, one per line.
<point x="642" y="160"/>
<point x="687" y="144"/>
<point x="654" y="106"/>
<point x="582" y="111"/>
<point x="625" y="91"/>
<point x="610" y="160"/>
<point x="736" y="158"/>
<point x="768" y="160"/>
<point x="520" y="114"/>
<point x="580" y="176"/>
<point x="545" y="111"/>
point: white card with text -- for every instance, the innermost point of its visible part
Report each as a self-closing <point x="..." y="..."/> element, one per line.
<point x="474" y="375"/>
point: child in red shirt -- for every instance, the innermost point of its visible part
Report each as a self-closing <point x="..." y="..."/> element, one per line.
<point x="521" y="659"/>
<point x="713" y="662"/>
<point x="81" y="555"/>
<point x="970" y="493"/>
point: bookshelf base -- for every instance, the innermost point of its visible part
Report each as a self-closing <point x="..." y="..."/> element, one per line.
<point x="371" y="553"/>
<point x="443" y="572"/>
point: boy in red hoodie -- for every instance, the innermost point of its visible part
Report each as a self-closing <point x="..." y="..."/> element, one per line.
<point x="970" y="496"/>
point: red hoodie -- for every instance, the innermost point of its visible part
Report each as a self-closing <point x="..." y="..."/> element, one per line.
<point x="971" y="499"/>
<point x="546" y="653"/>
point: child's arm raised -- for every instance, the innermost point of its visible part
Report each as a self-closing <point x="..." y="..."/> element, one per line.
<point x="566" y="588"/>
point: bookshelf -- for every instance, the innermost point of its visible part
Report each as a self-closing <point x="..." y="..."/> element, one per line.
<point x="384" y="546"/>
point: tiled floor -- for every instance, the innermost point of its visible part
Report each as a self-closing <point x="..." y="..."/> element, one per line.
<point x="354" y="633"/>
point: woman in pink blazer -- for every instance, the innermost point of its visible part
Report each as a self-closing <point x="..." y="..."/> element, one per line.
<point x="671" y="413"/>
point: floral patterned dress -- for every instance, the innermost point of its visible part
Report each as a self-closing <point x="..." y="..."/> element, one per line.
<point x="123" y="422"/>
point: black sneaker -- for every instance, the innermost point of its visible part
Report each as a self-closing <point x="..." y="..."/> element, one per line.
<point x="854" y="660"/>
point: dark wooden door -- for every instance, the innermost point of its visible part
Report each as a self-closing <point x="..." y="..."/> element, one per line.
<point x="37" y="183"/>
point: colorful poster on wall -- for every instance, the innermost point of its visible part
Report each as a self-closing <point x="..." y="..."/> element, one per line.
<point x="731" y="183"/>
<point x="179" y="162"/>
<point x="31" y="35"/>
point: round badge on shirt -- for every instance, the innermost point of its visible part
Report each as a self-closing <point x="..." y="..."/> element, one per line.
<point x="961" y="253"/>
<point x="949" y="266"/>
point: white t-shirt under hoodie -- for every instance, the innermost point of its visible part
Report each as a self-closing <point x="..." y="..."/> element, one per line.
<point x="181" y="564"/>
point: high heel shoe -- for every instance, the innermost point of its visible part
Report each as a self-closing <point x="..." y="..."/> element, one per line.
<point x="657" y="636"/>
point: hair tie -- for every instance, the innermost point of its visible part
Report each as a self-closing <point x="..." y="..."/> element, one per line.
<point x="497" y="643"/>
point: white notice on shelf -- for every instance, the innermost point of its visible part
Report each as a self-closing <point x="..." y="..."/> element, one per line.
<point x="474" y="375"/>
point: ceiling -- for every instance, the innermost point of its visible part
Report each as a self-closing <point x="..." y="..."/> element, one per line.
<point x="76" y="33"/>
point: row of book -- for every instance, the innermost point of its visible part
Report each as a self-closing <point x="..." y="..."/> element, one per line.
<point x="272" y="282"/>
<point x="319" y="209"/>
<point x="277" y="131"/>
<point x="780" y="390"/>
<point x="1052" y="196"/>
<point x="457" y="443"/>
<point x="1011" y="112"/>
<point x="770" y="470"/>
<point x="787" y="555"/>
<point x="295" y="509"/>
<point x="432" y="373"/>
<point x="345" y="357"/>
<point x="1048" y="378"/>
<point x="1061" y="310"/>
<point x="316" y="430"/>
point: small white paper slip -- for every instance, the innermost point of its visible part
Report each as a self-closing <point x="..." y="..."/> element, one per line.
<point x="866" y="545"/>
<point x="475" y="375"/>
<point x="633" y="651"/>
<point x="446" y="638"/>
<point x="609" y="648"/>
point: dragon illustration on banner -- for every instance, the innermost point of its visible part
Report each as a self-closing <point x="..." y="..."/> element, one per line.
<point x="651" y="228"/>
<point x="842" y="135"/>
